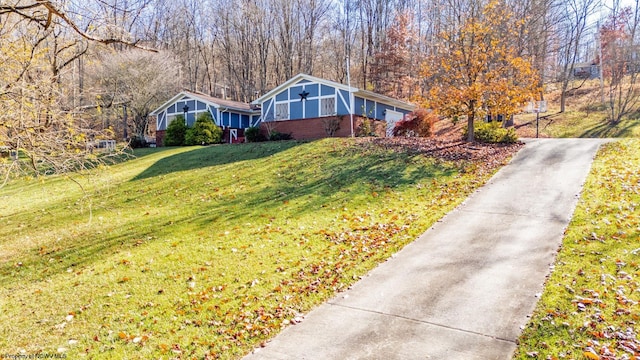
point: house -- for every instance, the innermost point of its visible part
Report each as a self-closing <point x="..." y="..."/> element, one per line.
<point x="232" y="116"/>
<point x="588" y="70"/>
<point x="308" y="107"/>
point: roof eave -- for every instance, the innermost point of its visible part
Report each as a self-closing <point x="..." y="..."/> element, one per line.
<point x="164" y="106"/>
<point x="226" y="108"/>
<point x="297" y="78"/>
<point x="195" y="96"/>
<point x="385" y="99"/>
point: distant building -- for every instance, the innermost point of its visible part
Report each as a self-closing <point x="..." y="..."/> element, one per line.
<point x="586" y="70"/>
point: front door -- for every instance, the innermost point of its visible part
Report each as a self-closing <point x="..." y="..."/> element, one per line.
<point x="391" y="117"/>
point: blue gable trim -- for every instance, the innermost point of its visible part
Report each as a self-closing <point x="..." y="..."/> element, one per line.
<point x="312" y="109"/>
<point x="327" y="90"/>
<point x="198" y="103"/>
<point x="296" y="110"/>
<point x="255" y="120"/>
<point x="343" y="101"/>
<point x="283" y="96"/>
<point x="312" y="89"/>
<point x="161" y="123"/>
<point x="295" y="93"/>
<point x="214" y="113"/>
<point x="268" y="110"/>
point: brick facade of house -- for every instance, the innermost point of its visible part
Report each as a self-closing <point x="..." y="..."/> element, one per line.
<point x="160" y="134"/>
<point x="316" y="128"/>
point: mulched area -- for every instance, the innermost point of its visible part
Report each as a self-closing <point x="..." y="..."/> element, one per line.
<point x="447" y="144"/>
<point x="488" y="156"/>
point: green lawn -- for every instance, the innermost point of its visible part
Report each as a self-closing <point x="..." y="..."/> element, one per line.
<point x="581" y="123"/>
<point x="590" y="307"/>
<point x="206" y="251"/>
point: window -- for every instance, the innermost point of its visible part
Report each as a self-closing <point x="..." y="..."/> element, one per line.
<point x="282" y="111"/>
<point x="327" y="106"/>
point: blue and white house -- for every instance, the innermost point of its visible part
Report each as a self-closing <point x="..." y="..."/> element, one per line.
<point x="304" y="106"/>
<point x="232" y="116"/>
<point x="299" y="105"/>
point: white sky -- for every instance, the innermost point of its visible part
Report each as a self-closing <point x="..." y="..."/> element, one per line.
<point x="607" y="3"/>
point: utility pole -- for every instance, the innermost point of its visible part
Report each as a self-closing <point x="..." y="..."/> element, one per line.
<point x="601" y="67"/>
<point x="350" y="97"/>
<point x="124" y="122"/>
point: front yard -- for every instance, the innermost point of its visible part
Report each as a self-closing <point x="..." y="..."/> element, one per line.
<point x="208" y="251"/>
<point x="590" y="307"/>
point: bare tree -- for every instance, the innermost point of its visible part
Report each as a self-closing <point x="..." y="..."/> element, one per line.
<point x="620" y="64"/>
<point x="571" y="38"/>
<point x="136" y="80"/>
<point x="536" y="34"/>
<point x="33" y="120"/>
<point x="39" y="41"/>
<point x="43" y="14"/>
<point x="393" y="70"/>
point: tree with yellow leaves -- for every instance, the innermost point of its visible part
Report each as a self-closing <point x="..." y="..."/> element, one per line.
<point x="40" y="126"/>
<point x="475" y="70"/>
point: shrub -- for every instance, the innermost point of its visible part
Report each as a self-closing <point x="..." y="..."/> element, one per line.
<point x="253" y="134"/>
<point x="492" y="132"/>
<point x="203" y="132"/>
<point x="137" y="142"/>
<point x="418" y="123"/>
<point x="366" y="128"/>
<point x="331" y="125"/>
<point x="176" y="132"/>
<point x="278" y="136"/>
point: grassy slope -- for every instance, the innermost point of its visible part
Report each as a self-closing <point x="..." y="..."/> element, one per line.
<point x="206" y="251"/>
<point x="585" y="117"/>
<point x="579" y="124"/>
<point x="590" y="306"/>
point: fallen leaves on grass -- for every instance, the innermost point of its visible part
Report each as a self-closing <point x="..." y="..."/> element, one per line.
<point x="486" y="155"/>
<point x="300" y="266"/>
<point x="592" y="299"/>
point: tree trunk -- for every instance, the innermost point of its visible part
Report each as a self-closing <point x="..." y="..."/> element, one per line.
<point x="470" y="119"/>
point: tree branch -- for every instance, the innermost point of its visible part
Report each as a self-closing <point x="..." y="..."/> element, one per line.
<point x="52" y="11"/>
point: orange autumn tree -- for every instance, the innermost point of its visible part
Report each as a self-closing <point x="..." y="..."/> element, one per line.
<point x="476" y="70"/>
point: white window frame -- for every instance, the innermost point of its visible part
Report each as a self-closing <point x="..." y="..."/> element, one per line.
<point x="275" y="110"/>
<point x="333" y="111"/>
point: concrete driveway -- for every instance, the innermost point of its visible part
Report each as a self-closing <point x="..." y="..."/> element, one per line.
<point x="465" y="288"/>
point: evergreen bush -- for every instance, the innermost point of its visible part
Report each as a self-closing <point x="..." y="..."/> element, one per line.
<point x="176" y="132"/>
<point x="203" y="132"/>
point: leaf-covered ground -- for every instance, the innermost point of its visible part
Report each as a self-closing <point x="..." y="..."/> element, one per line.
<point x="207" y="252"/>
<point x="590" y="307"/>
